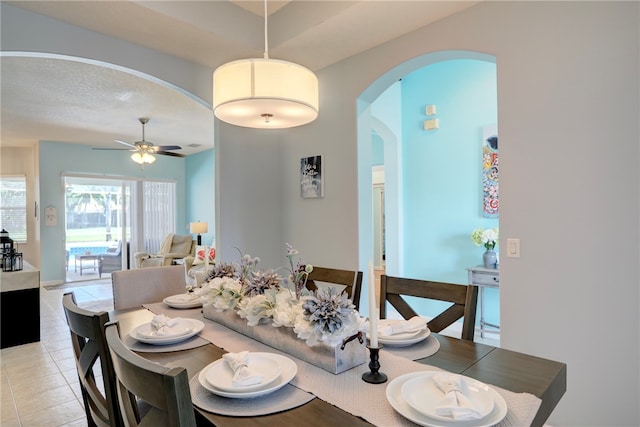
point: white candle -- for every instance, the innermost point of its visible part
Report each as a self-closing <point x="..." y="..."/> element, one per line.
<point x="374" y="311"/>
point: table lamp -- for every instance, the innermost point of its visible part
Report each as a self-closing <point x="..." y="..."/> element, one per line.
<point x="198" y="228"/>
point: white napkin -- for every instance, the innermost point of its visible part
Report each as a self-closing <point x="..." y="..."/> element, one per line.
<point x="454" y="404"/>
<point x="414" y="324"/>
<point x="242" y="375"/>
<point x="162" y="325"/>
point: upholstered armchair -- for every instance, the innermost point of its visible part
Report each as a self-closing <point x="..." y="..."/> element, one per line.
<point x="112" y="260"/>
<point x="174" y="247"/>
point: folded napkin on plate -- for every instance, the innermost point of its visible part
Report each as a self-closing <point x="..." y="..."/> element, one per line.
<point x="414" y="324"/>
<point x="239" y="364"/>
<point x="162" y="325"/>
<point x="454" y="404"/>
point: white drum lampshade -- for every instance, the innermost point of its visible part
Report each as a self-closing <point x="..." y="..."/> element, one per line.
<point x="265" y="94"/>
<point x="198" y="228"/>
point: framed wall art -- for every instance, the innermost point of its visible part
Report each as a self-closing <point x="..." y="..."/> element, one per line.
<point x="490" y="169"/>
<point x="311" y="177"/>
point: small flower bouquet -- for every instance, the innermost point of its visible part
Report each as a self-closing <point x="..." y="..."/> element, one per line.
<point x="487" y="238"/>
<point x="313" y="326"/>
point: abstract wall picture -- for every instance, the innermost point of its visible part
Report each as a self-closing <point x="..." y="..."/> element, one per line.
<point x="490" y="170"/>
<point x="311" y="177"/>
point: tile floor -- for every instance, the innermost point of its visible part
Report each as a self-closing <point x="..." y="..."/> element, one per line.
<point x="38" y="381"/>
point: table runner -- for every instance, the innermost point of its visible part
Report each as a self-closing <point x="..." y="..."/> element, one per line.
<point x="347" y="391"/>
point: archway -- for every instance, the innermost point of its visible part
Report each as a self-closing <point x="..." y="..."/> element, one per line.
<point x="383" y="109"/>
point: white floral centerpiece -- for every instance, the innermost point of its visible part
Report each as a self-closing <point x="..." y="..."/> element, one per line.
<point x="314" y="326"/>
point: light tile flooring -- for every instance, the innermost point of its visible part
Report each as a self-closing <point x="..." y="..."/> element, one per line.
<point x="38" y="381"/>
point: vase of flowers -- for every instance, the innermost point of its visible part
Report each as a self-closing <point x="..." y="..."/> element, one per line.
<point x="487" y="238"/>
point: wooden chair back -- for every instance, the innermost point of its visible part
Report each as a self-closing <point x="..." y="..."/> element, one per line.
<point x="464" y="301"/>
<point x="165" y="389"/>
<point x="351" y="280"/>
<point x="89" y="349"/>
<point x="133" y="288"/>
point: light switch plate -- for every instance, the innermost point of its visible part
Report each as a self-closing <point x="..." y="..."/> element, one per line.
<point x="513" y="248"/>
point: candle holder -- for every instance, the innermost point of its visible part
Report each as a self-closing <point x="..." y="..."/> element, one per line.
<point x="374" y="376"/>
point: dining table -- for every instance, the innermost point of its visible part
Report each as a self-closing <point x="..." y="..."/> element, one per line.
<point x="522" y="376"/>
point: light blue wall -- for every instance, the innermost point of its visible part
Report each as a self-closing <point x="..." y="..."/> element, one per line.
<point x="57" y="158"/>
<point x="442" y="170"/>
<point x="200" y="187"/>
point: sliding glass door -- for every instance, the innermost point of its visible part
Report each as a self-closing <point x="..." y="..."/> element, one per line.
<point x="107" y="220"/>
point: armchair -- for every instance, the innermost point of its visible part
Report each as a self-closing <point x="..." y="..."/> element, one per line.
<point x="174" y="247"/>
<point x="112" y="260"/>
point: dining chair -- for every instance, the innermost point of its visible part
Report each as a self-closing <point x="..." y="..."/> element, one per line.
<point x="133" y="288"/>
<point x="165" y="389"/>
<point x="464" y="299"/>
<point x="351" y="280"/>
<point x="89" y="349"/>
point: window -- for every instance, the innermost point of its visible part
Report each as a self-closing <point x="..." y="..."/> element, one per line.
<point x="13" y="207"/>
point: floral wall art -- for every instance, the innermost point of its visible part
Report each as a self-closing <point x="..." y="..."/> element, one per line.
<point x="311" y="177"/>
<point x="490" y="172"/>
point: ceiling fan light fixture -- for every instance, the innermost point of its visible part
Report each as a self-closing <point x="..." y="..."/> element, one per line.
<point x="143" y="157"/>
<point x="265" y="93"/>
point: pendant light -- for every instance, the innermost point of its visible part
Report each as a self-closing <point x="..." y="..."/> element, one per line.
<point x="265" y="93"/>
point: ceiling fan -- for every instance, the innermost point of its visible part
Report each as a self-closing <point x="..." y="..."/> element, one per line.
<point x="144" y="150"/>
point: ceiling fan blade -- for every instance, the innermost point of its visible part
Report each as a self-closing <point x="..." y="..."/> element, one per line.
<point x="169" y="153"/>
<point x="112" y="149"/>
<point x="167" y="147"/>
<point x="125" y="143"/>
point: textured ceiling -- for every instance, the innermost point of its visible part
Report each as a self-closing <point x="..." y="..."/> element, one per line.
<point x="93" y="105"/>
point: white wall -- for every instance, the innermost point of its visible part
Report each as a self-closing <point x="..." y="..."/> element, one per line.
<point x="568" y="113"/>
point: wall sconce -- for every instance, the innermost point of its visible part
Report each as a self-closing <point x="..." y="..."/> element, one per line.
<point x="198" y="228"/>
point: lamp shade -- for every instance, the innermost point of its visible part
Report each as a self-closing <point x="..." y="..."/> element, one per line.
<point x="198" y="227"/>
<point x="265" y="94"/>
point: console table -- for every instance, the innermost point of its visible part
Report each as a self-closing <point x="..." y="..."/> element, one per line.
<point x="484" y="278"/>
<point x="20" y="306"/>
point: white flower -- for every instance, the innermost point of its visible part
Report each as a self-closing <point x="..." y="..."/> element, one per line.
<point x="288" y="309"/>
<point x="223" y="293"/>
<point x="487" y="238"/>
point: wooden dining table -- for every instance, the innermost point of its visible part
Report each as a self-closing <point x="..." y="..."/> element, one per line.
<point x="514" y="371"/>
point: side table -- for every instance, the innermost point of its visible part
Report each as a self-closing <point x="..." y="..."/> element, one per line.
<point x="484" y="278"/>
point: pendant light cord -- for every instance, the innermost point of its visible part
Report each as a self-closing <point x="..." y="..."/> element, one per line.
<point x="266" y="38"/>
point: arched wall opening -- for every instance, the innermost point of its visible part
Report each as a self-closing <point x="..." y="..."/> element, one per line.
<point x="392" y="107"/>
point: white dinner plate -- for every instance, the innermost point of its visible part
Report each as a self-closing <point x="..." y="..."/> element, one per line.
<point x="183" y="301"/>
<point x="420" y="336"/>
<point x="395" y="399"/>
<point x="194" y="326"/>
<point x="424" y="395"/>
<point x="220" y="374"/>
<point x="397" y="337"/>
<point x="288" y="370"/>
<point x="179" y="328"/>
